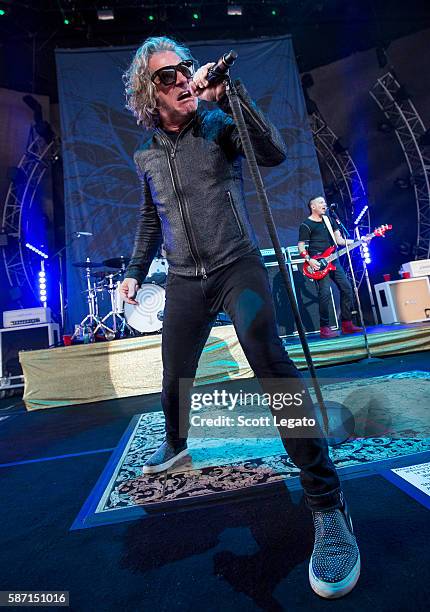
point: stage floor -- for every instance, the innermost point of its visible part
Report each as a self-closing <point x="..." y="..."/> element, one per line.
<point x="108" y="370"/>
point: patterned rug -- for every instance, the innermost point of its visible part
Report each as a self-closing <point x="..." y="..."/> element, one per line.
<point x="398" y="404"/>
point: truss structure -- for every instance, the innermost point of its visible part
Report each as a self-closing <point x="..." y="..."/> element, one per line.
<point x="20" y="197"/>
<point x="394" y="102"/>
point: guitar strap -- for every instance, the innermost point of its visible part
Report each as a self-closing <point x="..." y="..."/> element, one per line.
<point x="330" y="228"/>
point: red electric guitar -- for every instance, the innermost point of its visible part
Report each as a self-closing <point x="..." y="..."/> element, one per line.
<point x="325" y="259"/>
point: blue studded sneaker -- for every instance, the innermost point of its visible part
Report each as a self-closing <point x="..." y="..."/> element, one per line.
<point x="163" y="458"/>
<point x="334" y="567"/>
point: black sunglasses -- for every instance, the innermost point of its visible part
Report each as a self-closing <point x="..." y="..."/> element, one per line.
<point x="168" y="74"/>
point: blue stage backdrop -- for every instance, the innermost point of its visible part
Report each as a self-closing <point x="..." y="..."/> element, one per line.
<point x="100" y="136"/>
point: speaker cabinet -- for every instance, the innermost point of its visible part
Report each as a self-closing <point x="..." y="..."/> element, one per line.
<point x="25" y="338"/>
<point x="306" y="293"/>
<point x="404" y="301"/>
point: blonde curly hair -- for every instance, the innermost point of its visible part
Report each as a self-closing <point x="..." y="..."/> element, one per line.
<point x="140" y="91"/>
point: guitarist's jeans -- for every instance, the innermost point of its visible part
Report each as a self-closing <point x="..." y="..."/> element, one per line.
<point x="344" y="286"/>
<point x="242" y="289"/>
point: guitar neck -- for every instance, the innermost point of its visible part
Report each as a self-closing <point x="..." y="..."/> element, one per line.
<point x="350" y="247"/>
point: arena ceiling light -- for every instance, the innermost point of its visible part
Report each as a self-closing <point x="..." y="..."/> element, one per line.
<point x="105" y="14"/>
<point x="234" y="9"/>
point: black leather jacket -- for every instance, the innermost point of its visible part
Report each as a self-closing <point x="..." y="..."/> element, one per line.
<point x="192" y="190"/>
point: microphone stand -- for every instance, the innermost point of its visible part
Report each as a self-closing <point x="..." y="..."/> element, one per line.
<point x="332" y="212"/>
<point x="345" y="235"/>
<point x="59" y="254"/>
<point x="263" y="201"/>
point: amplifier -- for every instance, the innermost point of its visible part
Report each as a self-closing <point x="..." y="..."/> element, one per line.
<point x="26" y="316"/>
<point x="269" y="256"/>
<point x="305" y="291"/>
<point x="404" y="301"/>
<point x="25" y="338"/>
<point x="420" y="267"/>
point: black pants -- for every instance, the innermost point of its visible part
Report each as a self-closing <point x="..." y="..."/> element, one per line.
<point x="242" y="290"/>
<point x="344" y="286"/>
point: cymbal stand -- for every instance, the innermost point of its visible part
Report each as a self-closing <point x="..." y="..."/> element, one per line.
<point x="119" y="324"/>
<point x="92" y="319"/>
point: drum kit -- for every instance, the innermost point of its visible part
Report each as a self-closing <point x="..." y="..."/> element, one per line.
<point x="122" y="319"/>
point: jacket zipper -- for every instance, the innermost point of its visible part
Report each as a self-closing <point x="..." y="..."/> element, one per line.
<point x="236" y="216"/>
<point x="170" y="158"/>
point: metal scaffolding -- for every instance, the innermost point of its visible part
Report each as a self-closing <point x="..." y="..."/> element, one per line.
<point x="346" y="179"/>
<point x="20" y="197"/>
<point x="398" y="108"/>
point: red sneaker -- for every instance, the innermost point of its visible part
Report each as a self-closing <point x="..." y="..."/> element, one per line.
<point x="326" y="332"/>
<point x="348" y="327"/>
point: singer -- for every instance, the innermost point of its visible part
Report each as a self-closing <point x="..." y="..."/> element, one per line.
<point x="192" y="200"/>
<point x="320" y="233"/>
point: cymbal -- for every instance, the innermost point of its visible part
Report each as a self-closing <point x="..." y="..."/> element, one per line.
<point x="87" y="264"/>
<point x="105" y="273"/>
<point x="117" y="262"/>
<point x="100" y="273"/>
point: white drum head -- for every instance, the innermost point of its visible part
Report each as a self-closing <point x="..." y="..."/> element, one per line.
<point x="147" y="316"/>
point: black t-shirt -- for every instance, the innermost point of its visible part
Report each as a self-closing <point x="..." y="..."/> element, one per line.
<point x="316" y="234"/>
<point x="173" y="136"/>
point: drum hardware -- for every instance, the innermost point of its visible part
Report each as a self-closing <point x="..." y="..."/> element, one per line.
<point x="117" y="262"/>
<point x="87" y="264"/>
<point x="102" y="274"/>
<point x="92" y="319"/>
<point x="119" y="323"/>
<point x="147" y="316"/>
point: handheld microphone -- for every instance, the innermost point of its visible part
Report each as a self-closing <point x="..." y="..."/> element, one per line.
<point x="218" y="72"/>
<point x="333" y="206"/>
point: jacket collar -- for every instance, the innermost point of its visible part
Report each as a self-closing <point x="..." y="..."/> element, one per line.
<point x="159" y="132"/>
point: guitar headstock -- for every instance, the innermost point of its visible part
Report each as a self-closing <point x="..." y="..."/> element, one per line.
<point x="380" y="231"/>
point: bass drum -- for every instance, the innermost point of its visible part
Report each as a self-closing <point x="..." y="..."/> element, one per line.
<point x="147" y="316"/>
<point x="157" y="272"/>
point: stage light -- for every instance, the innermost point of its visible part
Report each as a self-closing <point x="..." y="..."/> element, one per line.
<point x="43" y="293"/>
<point x="105" y="14"/>
<point x="365" y="254"/>
<point x="234" y="9"/>
<point x="151" y="18"/>
<point x="274" y="12"/>
<point x="196" y="16"/>
<point x="31" y="247"/>
<point x="360" y="216"/>
<point x="66" y="21"/>
<point x="2" y="12"/>
<point x="385" y="126"/>
<point x="402" y="183"/>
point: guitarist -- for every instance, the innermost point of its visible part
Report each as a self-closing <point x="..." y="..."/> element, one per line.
<point x="315" y="232"/>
